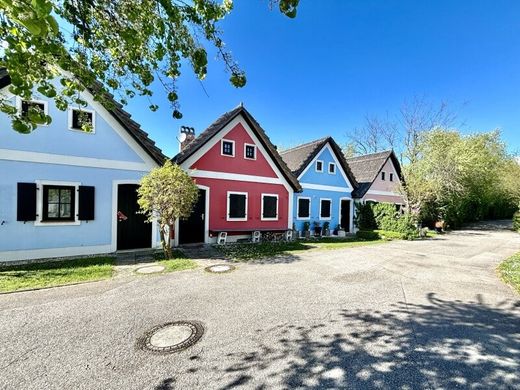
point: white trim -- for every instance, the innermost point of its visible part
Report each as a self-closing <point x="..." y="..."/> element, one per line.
<point x="262" y="207"/>
<point x="61" y="159"/>
<point x="228" y="218"/>
<point x="233" y="176"/>
<point x="316" y="166"/>
<point x="45" y="103"/>
<point x="31" y="254"/>
<point x="311" y="186"/>
<point x="245" y="147"/>
<point x="330" y="210"/>
<point x="388" y="193"/>
<point x="331" y="164"/>
<point x="290" y="205"/>
<point x="222" y="147"/>
<point x="230" y="126"/>
<point x="298" y="208"/>
<point x="70" y="121"/>
<point x="39" y="202"/>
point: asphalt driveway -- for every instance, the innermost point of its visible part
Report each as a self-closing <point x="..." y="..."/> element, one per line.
<point x="422" y="314"/>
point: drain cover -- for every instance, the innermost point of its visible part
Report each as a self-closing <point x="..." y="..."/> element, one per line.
<point x="220" y="268"/>
<point x="150" y="269"/>
<point x="171" y="337"/>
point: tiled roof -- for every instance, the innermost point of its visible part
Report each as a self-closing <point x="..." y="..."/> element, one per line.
<point x="299" y="157"/>
<point x="366" y="168"/>
<point x="124" y="118"/>
<point x="220" y="123"/>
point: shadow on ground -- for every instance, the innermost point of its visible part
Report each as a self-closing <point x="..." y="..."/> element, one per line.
<point x="439" y="344"/>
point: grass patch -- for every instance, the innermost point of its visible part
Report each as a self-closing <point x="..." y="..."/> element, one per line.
<point x="510" y="271"/>
<point x="178" y="262"/>
<point x="244" y="252"/>
<point x="57" y="273"/>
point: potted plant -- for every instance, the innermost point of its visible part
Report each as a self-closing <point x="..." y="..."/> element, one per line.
<point x="326" y="230"/>
<point x="306" y="230"/>
<point x="295" y="232"/>
<point x="341" y="231"/>
<point x="317" y="228"/>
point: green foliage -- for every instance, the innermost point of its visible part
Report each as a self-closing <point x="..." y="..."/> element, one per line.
<point x="510" y="271"/>
<point x="306" y="226"/>
<point x="516" y="221"/>
<point x="119" y="46"/>
<point x="368" y="235"/>
<point x="250" y="251"/>
<point x="166" y="194"/>
<point x="385" y="217"/>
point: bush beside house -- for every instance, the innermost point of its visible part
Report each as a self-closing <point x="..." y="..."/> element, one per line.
<point x="382" y="220"/>
<point x="516" y="221"/>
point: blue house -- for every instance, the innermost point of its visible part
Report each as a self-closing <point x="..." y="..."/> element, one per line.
<point x="327" y="185"/>
<point x="65" y="191"/>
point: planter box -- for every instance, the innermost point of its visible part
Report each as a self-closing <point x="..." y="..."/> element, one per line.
<point x="341" y="233"/>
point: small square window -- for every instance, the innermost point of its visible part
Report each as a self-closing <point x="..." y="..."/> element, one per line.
<point x="81" y="120"/>
<point x="33" y="106"/>
<point x="304" y="208"/>
<point x="228" y="148"/>
<point x="391" y="177"/>
<point x="58" y="203"/>
<point x="250" y="152"/>
<point x="383" y="175"/>
<point x="332" y="168"/>
<point x="319" y="166"/>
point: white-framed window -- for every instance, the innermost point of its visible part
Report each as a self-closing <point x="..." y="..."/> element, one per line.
<point x="269" y="207"/>
<point x="236" y="206"/>
<point x="304" y="208"/>
<point x="319" y="166"/>
<point x="57" y="203"/>
<point x="325" y="208"/>
<point x="82" y="120"/>
<point x="332" y="168"/>
<point x="391" y="177"/>
<point x="383" y="175"/>
<point x="24" y="105"/>
<point x="227" y="148"/>
<point x="250" y="152"/>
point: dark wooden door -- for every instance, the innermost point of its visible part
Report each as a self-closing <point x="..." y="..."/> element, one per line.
<point x="345" y="215"/>
<point x="133" y="231"/>
<point x="192" y="229"/>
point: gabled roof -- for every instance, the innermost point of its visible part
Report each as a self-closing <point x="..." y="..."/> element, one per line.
<point x="299" y="157"/>
<point x="366" y="168"/>
<point x="121" y="116"/>
<point x="222" y="122"/>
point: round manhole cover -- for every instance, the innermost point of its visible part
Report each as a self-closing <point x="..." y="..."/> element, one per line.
<point x="220" y="268"/>
<point x="171" y="337"/>
<point x="150" y="269"/>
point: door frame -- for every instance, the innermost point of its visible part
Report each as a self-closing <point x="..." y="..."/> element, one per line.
<point x="206" y="218"/>
<point x="351" y="213"/>
<point x="156" y="243"/>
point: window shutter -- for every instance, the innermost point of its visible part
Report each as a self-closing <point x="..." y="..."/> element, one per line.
<point x="26" y="202"/>
<point x="86" y="203"/>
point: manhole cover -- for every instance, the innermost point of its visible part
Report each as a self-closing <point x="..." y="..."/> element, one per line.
<point x="171" y="337"/>
<point x="150" y="269"/>
<point x="220" y="268"/>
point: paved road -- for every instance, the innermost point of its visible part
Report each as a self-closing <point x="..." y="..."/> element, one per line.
<point x="423" y="314"/>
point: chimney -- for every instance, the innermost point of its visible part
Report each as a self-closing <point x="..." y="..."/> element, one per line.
<point x="187" y="135"/>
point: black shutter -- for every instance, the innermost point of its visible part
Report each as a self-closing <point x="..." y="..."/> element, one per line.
<point x="325" y="208"/>
<point x="237" y="206"/>
<point x="270" y="203"/>
<point x="303" y="208"/>
<point x="26" y="202"/>
<point x="86" y="203"/>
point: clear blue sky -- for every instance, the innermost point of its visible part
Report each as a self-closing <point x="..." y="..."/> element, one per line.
<point x="319" y="74"/>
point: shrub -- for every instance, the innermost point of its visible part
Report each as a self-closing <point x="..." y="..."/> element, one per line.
<point x="368" y="235"/>
<point x="516" y="221"/>
<point x="385" y="217"/>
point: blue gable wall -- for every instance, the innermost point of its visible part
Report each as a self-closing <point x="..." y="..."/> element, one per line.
<point x="337" y="188"/>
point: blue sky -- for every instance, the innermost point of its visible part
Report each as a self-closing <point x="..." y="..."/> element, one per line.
<point x="321" y="73"/>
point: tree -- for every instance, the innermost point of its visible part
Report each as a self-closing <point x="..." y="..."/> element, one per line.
<point x="118" y="46"/>
<point x="165" y="195"/>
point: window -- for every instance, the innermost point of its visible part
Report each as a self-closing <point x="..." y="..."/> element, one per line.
<point x="250" y="152"/>
<point x="391" y="177"/>
<point x="325" y="205"/>
<point x="228" y="148"/>
<point x="304" y="208"/>
<point x="319" y="166"/>
<point x="269" y="207"/>
<point x="82" y="120"/>
<point x="58" y="203"/>
<point x="332" y="168"/>
<point x="383" y="175"/>
<point x="237" y="206"/>
<point x="24" y="106"/>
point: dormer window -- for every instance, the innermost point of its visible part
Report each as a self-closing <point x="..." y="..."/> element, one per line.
<point x="391" y="177"/>
<point x="332" y="168"/>
<point x="249" y="152"/>
<point x="319" y="166"/>
<point x="228" y="148"/>
<point x="383" y="175"/>
<point x="81" y="120"/>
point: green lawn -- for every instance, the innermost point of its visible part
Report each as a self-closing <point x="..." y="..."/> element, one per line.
<point x="248" y="251"/>
<point x="21" y="277"/>
<point x="178" y="262"/>
<point x="510" y="271"/>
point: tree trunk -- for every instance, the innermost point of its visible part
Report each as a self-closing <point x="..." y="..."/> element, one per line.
<point x="165" y="241"/>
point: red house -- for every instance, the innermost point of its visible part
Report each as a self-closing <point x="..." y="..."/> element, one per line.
<point x="244" y="185"/>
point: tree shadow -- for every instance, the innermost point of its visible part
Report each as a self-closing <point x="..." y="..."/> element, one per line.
<point x="438" y="344"/>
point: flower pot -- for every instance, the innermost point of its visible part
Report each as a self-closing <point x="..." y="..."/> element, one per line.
<point x="317" y="231"/>
<point x="341" y="233"/>
<point x="326" y="232"/>
<point x="307" y="234"/>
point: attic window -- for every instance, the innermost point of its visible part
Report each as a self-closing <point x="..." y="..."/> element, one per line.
<point x="319" y="166"/>
<point x="81" y="120"/>
<point x="39" y="105"/>
<point x="228" y="148"/>
<point x="332" y="168"/>
<point x="383" y="175"/>
<point x="391" y="177"/>
<point x="250" y="152"/>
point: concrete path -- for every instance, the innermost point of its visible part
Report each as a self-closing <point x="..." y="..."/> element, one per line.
<point x="412" y="315"/>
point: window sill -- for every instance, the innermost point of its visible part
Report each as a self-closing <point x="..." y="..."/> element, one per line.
<point x="236" y="219"/>
<point x="57" y="223"/>
<point x="269" y="219"/>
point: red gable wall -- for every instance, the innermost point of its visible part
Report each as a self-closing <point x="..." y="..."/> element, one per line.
<point x="212" y="160"/>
